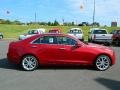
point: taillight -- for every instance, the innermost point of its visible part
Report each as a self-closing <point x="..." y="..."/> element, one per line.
<point x="94" y="37"/>
<point x="113" y="36"/>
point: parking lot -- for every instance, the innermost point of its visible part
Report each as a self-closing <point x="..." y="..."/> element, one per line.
<point x="82" y="78"/>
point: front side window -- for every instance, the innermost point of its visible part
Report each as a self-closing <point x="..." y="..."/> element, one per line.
<point x="66" y="40"/>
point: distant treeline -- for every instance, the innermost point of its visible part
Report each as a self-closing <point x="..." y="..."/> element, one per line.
<point x="55" y="23"/>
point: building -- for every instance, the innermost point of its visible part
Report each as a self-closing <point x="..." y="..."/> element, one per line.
<point x="114" y="24"/>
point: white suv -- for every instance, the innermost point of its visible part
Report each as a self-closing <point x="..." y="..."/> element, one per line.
<point x="31" y="33"/>
<point x="76" y="32"/>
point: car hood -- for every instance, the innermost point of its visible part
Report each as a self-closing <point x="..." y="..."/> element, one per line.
<point x="99" y="46"/>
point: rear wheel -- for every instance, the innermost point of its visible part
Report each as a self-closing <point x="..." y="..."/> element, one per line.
<point x="29" y="63"/>
<point x="102" y="63"/>
<point x="1" y="37"/>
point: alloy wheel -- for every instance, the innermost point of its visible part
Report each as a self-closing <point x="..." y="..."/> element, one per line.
<point x="103" y="62"/>
<point x="29" y="63"/>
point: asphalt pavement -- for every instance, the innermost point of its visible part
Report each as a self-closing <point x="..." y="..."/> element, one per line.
<point x="13" y="78"/>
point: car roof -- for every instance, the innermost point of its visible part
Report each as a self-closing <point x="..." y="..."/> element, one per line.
<point x="55" y="34"/>
<point x="97" y="29"/>
<point x="39" y="29"/>
<point x="75" y="28"/>
<point x="55" y="29"/>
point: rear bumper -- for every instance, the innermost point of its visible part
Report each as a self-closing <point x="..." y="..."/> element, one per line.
<point x="15" y="59"/>
<point x="113" y="59"/>
<point x="103" y="40"/>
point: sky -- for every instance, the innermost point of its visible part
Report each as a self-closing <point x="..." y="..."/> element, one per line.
<point x="67" y="10"/>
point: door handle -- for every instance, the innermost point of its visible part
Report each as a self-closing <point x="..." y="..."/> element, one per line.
<point x="34" y="46"/>
<point x="62" y="48"/>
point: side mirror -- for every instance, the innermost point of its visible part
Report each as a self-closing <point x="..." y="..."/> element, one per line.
<point x="78" y="45"/>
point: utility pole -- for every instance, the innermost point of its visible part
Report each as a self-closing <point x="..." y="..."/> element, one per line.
<point x="35" y="17"/>
<point x="94" y="8"/>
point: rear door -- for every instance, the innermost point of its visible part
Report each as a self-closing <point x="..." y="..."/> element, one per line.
<point x="47" y="49"/>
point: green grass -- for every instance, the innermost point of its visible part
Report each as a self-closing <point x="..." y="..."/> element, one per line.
<point x="13" y="31"/>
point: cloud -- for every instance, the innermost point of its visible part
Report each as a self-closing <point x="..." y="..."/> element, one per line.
<point x="105" y="9"/>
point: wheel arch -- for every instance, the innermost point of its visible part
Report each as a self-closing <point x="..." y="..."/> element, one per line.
<point x="28" y="55"/>
<point x="103" y="54"/>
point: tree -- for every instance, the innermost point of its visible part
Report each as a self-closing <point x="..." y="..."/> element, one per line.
<point x="73" y="24"/>
<point x="56" y="23"/>
<point x="49" y="23"/>
<point x="17" y="22"/>
<point x="96" y="24"/>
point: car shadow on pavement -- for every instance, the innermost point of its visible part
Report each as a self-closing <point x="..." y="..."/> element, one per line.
<point x="111" y="84"/>
<point x="66" y="67"/>
<point x="6" y="65"/>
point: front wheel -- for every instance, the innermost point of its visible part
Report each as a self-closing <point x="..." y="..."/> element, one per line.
<point x="1" y="37"/>
<point x="29" y="63"/>
<point x="102" y="63"/>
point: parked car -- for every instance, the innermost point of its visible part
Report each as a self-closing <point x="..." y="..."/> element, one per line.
<point x="100" y="36"/>
<point x="59" y="49"/>
<point x="1" y="36"/>
<point x="55" y="30"/>
<point x="113" y="31"/>
<point x="116" y="38"/>
<point x="31" y="33"/>
<point x="76" y="32"/>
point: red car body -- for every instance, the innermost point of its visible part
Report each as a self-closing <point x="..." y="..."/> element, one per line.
<point x="116" y="37"/>
<point x="58" y="54"/>
<point x="55" y="30"/>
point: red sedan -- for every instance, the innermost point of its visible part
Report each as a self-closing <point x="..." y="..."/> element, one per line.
<point x="59" y="49"/>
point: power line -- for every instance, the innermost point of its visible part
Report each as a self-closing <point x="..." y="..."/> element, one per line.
<point x="94" y="8"/>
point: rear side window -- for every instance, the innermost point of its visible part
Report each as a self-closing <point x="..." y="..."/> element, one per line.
<point x="46" y="40"/>
<point x="99" y="32"/>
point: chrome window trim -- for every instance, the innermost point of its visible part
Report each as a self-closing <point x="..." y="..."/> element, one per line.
<point x="32" y="42"/>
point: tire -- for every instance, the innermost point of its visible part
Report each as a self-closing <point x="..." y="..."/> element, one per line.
<point x="117" y="42"/>
<point x="1" y="37"/>
<point x="29" y="63"/>
<point x="102" y="62"/>
<point x="89" y="40"/>
<point x="107" y="44"/>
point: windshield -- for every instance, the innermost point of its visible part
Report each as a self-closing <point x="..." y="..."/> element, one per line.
<point x="99" y="32"/>
<point x="76" y="31"/>
<point x="33" y="32"/>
